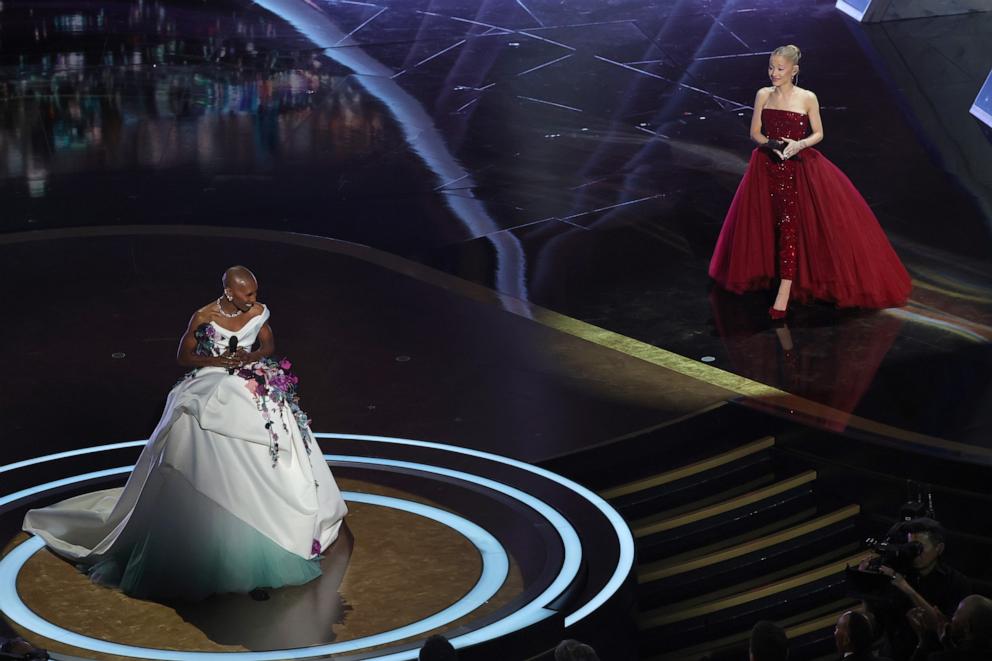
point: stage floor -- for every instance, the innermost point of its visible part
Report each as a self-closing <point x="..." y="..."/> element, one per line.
<point x="485" y="224"/>
<point x="576" y="157"/>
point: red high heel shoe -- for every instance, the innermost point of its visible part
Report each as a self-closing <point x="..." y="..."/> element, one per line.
<point x="777" y="314"/>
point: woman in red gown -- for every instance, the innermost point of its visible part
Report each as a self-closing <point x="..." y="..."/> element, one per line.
<point x="798" y="218"/>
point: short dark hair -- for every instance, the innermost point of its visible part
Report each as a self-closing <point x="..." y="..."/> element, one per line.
<point x="859" y="631"/>
<point x="768" y="642"/>
<point x="437" y="648"/>
<point x="572" y="650"/>
<point x="930" y="527"/>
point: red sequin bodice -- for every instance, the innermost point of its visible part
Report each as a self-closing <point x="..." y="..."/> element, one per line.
<point x="779" y="124"/>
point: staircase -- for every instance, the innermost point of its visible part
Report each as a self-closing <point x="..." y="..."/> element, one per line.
<point x="728" y="531"/>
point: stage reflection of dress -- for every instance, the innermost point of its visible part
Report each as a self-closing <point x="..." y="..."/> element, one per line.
<point x="836" y="364"/>
<point x="211" y="506"/>
<point x="802" y="219"/>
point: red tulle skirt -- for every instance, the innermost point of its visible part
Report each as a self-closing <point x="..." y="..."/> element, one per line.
<point x="843" y="256"/>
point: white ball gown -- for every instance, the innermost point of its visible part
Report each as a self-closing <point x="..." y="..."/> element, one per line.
<point x="230" y="494"/>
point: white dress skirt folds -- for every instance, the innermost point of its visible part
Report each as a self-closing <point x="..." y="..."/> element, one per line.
<point x="230" y="494"/>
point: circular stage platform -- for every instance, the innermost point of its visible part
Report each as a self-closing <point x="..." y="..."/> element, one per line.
<point x="496" y="554"/>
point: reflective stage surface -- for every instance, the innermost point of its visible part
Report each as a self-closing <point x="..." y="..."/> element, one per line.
<point x="577" y="155"/>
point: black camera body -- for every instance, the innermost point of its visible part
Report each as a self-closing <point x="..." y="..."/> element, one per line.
<point x="896" y="554"/>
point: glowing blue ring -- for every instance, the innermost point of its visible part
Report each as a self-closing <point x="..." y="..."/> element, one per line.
<point x="535" y="610"/>
<point x="495" y="568"/>
<point x="71" y="453"/>
<point x="625" y="539"/>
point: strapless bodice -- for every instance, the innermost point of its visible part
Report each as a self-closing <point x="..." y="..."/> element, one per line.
<point x="246" y="335"/>
<point x="777" y="124"/>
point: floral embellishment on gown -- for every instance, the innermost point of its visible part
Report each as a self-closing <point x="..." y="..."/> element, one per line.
<point x="271" y="383"/>
<point x="206" y="340"/>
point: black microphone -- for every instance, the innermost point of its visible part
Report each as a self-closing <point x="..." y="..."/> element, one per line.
<point x="232" y="348"/>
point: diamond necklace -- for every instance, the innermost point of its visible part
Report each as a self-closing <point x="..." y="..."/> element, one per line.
<point x="221" y="309"/>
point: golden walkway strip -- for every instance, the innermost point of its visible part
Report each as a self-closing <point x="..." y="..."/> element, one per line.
<point x="688" y="470"/>
<point x="735" y="384"/>
<point x="650" y="526"/>
<point x="676" y="613"/>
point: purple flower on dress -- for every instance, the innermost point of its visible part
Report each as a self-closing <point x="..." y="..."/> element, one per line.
<point x="205" y="345"/>
<point x="272" y="385"/>
<point x="315" y="547"/>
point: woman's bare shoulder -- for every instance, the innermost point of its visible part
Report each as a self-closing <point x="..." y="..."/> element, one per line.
<point x="205" y="314"/>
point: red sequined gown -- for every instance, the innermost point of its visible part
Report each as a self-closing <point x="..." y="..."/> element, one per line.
<point x="803" y="220"/>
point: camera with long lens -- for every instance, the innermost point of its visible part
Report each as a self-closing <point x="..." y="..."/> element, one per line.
<point x="893" y="553"/>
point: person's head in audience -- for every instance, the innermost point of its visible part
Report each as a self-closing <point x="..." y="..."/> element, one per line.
<point x="930" y="535"/>
<point x="573" y="650"/>
<point x="971" y="626"/>
<point x="768" y="642"/>
<point x="853" y="633"/>
<point x="437" y="648"/>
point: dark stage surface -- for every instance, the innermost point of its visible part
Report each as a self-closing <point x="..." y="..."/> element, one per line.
<point x="486" y="224"/>
<point x="578" y="156"/>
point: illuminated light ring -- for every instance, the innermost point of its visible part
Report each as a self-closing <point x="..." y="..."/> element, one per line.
<point x="624" y="537"/>
<point x="71" y="453"/>
<point x="625" y="562"/>
<point x="534" y="611"/>
<point x="495" y="568"/>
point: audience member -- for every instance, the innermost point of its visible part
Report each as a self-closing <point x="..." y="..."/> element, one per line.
<point x="16" y="647"/>
<point x="929" y="583"/>
<point x="967" y="637"/>
<point x="437" y="648"/>
<point x="768" y="642"/>
<point x="573" y="650"/>
<point x="854" y="637"/>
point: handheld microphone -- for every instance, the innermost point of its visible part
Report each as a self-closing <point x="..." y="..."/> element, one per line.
<point x="232" y="348"/>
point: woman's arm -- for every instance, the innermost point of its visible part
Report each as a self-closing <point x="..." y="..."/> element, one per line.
<point x="266" y="346"/>
<point x="759" y="102"/>
<point x="186" y="356"/>
<point x="815" y="124"/>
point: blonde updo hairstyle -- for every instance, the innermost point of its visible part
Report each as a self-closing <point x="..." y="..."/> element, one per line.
<point x="792" y="54"/>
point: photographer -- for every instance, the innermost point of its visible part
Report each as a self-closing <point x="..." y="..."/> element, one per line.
<point x="919" y="578"/>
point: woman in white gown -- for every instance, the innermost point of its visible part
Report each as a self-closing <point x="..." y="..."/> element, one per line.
<point x="230" y="494"/>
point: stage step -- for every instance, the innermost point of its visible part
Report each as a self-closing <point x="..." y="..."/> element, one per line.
<point x="726" y="514"/>
<point x="699" y="467"/>
<point x="810" y="635"/>
<point x="690" y="487"/>
<point x="725" y="612"/>
<point x="673" y="579"/>
<point x="736" y="534"/>
<point x="668" y="446"/>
